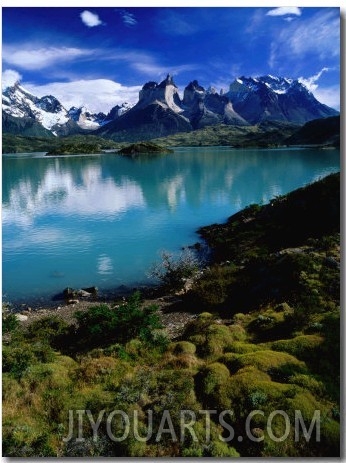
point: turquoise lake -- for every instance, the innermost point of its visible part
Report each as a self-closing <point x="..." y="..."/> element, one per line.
<point x="103" y="220"/>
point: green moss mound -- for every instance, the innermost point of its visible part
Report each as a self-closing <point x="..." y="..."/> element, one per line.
<point x="182" y="347"/>
<point x="303" y="347"/>
<point x="266" y="360"/>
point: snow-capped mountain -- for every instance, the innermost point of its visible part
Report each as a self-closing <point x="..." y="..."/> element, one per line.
<point x="248" y="101"/>
<point x="160" y="111"/>
<point x="271" y="98"/>
<point x="26" y="113"/>
<point x="118" y="111"/>
<point x="86" y="119"/>
<point x="47" y="111"/>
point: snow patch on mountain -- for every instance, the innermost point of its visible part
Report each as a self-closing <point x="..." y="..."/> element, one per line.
<point x="18" y="102"/>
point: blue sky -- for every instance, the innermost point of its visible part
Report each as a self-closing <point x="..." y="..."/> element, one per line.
<point x="102" y="56"/>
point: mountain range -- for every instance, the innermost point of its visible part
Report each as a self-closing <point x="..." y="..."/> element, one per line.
<point x="161" y="111"/>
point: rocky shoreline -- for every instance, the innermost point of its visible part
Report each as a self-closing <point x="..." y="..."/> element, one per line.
<point x="173" y="316"/>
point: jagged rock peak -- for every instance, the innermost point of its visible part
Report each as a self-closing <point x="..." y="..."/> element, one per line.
<point x="194" y="86"/>
<point x="50" y="104"/>
<point x="165" y="93"/>
<point x="167" y="81"/>
<point x="151" y="85"/>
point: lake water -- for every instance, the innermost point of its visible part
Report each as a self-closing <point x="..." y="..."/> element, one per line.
<point x="103" y="220"/>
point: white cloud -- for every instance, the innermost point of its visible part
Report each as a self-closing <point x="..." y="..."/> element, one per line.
<point x="9" y="78"/>
<point x="329" y="96"/>
<point x="318" y="35"/>
<point x="310" y="82"/>
<point x="40" y="58"/>
<point x="285" y="10"/>
<point x="97" y="94"/>
<point x="90" y="19"/>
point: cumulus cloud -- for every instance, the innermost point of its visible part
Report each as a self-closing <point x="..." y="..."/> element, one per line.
<point x="90" y="19"/>
<point x="40" y="58"/>
<point x="96" y="94"/>
<point x="9" y="78"/>
<point x="285" y="10"/>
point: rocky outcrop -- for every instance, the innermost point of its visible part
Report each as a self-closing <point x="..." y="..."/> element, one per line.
<point x="157" y="114"/>
<point x="204" y="108"/>
<point x="165" y="94"/>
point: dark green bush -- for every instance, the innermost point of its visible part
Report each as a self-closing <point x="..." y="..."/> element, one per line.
<point x="16" y="360"/>
<point x="102" y="325"/>
<point x="214" y="287"/>
<point x="9" y="323"/>
<point x="49" y="329"/>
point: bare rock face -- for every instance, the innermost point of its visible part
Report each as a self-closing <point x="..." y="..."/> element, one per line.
<point x="207" y="107"/>
<point x="165" y="94"/>
<point x="158" y="113"/>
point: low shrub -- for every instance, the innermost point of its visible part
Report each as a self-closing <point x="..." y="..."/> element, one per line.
<point x="16" y="360"/>
<point x="173" y="271"/>
<point x="102" y="325"/>
<point x="212" y="377"/>
<point x="239" y="347"/>
<point x="308" y="382"/>
<point x="211" y="386"/>
<point x="50" y="330"/>
<point x="182" y="347"/>
<point x="213" y="288"/>
<point x="200" y="447"/>
<point x="97" y="369"/>
<point x="214" y="339"/>
<point x="265" y="360"/>
<point x="303" y="347"/>
<point x="9" y="323"/>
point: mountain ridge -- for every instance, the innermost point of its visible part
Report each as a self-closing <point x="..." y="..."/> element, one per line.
<point x="160" y="111"/>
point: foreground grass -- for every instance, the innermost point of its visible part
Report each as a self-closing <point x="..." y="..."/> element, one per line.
<point x="266" y="338"/>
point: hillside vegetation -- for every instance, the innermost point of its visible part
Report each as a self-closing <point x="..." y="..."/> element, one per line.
<point x="265" y="337"/>
<point x="268" y="134"/>
<point x="265" y="135"/>
<point x="144" y="148"/>
<point x="319" y="131"/>
<point x="21" y="144"/>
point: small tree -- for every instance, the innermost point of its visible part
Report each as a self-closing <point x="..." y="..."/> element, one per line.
<point x="9" y="321"/>
<point x="174" y="270"/>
